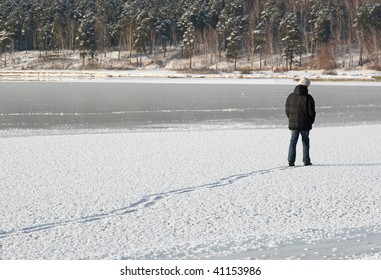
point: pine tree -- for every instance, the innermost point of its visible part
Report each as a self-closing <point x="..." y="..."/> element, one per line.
<point x="126" y="24"/>
<point x="259" y="40"/>
<point x="291" y="38"/>
<point x="5" y="43"/>
<point x="10" y="19"/>
<point x="163" y="26"/>
<point x="86" y="37"/>
<point x="270" y="19"/>
<point x="62" y="24"/>
<point x="141" y="32"/>
<point x="189" y="41"/>
<point x="368" y="25"/>
<point x="231" y="26"/>
<point x="321" y="18"/>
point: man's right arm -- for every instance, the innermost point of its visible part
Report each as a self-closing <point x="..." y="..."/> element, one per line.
<point x="288" y="106"/>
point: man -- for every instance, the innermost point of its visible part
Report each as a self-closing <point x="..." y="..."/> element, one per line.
<point x="300" y="110"/>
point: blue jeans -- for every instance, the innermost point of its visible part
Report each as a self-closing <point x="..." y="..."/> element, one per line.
<point x="305" y="142"/>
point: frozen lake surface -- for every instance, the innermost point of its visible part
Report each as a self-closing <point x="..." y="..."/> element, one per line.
<point x="137" y="104"/>
<point x="214" y="194"/>
<point x="90" y="191"/>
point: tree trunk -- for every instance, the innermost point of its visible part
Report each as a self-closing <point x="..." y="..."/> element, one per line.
<point x="235" y="61"/>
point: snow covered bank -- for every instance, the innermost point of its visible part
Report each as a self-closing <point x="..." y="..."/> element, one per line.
<point x="360" y="75"/>
<point x="190" y="194"/>
<point x="67" y="66"/>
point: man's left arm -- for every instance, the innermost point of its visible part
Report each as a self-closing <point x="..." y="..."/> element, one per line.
<point x="311" y="109"/>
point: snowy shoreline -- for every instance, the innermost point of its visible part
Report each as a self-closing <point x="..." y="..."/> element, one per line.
<point x="341" y="76"/>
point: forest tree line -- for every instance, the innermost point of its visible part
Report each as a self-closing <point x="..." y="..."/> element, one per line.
<point x="280" y="32"/>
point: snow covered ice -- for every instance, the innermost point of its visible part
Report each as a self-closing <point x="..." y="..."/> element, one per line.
<point x="190" y="194"/>
<point x="206" y="192"/>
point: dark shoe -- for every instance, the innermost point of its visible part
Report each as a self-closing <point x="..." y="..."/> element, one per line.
<point x="290" y="163"/>
<point x="307" y="163"/>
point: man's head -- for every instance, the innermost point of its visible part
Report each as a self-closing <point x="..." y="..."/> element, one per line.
<point x="305" y="82"/>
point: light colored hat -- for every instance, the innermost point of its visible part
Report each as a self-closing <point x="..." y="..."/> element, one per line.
<point x="305" y="82"/>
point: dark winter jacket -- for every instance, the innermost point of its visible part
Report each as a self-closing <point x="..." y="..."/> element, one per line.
<point x="300" y="109"/>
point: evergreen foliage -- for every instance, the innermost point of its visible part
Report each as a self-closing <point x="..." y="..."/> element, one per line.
<point x="281" y="31"/>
